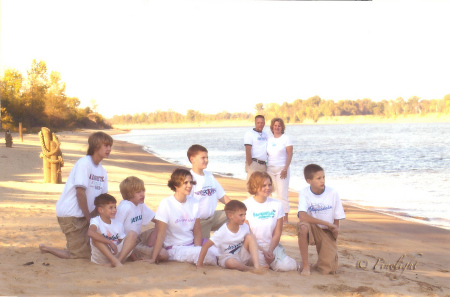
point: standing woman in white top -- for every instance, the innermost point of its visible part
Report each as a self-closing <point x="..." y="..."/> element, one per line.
<point x="280" y="150"/>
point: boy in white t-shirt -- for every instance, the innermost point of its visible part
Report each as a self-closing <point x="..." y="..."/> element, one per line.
<point x="207" y="191"/>
<point x="108" y="241"/>
<point x="133" y="213"/>
<point x="75" y="207"/>
<point x="235" y="244"/>
<point x="319" y="211"/>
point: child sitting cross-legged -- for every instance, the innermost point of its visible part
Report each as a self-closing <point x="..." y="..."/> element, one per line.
<point x="236" y="245"/>
<point x="109" y="245"/>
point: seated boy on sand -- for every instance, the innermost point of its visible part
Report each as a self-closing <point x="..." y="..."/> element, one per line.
<point x="235" y="244"/>
<point x="133" y="213"/>
<point x="109" y="245"/>
<point x="207" y="191"/>
<point x="319" y="211"/>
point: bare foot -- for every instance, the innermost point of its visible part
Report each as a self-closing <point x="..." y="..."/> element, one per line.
<point x="43" y="248"/>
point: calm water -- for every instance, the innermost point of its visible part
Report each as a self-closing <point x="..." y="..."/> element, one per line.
<point x="401" y="169"/>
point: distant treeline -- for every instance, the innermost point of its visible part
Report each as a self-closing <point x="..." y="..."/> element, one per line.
<point x="296" y="112"/>
<point x="39" y="99"/>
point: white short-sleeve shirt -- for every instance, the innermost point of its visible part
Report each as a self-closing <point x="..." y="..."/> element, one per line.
<point x="207" y="191"/>
<point x="87" y="175"/>
<point x="133" y="216"/>
<point x="276" y="150"/>
<point x="263" y="217"/>
<point x="326" y="206"/>
<point x="258" y="141"/>
<point x="228" y="242"/>
<point x="113" y="231"/>
<point x="180" y="219"/>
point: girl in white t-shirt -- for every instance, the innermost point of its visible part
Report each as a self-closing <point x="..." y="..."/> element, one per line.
<point x="178" y="224"/>
<point x="265" y="218"/>
<point x="280" y="150"/>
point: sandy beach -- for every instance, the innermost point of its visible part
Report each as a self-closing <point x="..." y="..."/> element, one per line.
<point x="379" y="255"/>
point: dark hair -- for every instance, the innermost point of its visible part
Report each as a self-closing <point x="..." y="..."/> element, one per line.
<point x="104" y="199"/>
<point x="310" y="170"/>
<point x="177" y="178"/>
<point x="96" y="140"/>
<point x="234" y="205"/>
<point x="260" y="116"/>
<point x="256" y="181"/>
<point x="194" y="150"/>
<point x="272" y="123"/>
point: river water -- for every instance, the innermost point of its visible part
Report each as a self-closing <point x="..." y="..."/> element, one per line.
<point x="399" y="169"/>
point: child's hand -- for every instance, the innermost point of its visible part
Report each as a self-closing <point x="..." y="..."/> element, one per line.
<point x="113" y="247"/>
<point x="334" y="230"/>
<point x="268" y="256"/>
<point x="151" y="261"/>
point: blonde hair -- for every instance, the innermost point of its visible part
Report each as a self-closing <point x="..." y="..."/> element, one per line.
<point x="280" y="120"/>
<point x="256" y="181"/>
<point x="130" y="186"/>
<point x="96" y="140"/>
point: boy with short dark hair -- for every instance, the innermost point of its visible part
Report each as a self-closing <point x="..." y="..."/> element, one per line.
<point x="75" y="207"/>
<point x="235" y="243"/>
<point x="319" y="211"/>
<point x="207" y="191"/>
<point x="109" y="244"/>
<point x="133" y="213"/>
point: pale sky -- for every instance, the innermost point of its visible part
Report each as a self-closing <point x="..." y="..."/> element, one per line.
<point x="141" y="56"/>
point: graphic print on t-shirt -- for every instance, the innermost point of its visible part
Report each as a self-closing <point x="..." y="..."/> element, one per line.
<point x="184" y="220"/>
<point x="319" y="208"/>
<point x="207" y="191"/>
<point x="264" y="215"/>
<point x="231" y="249"/>
<point x="96" y="181"/>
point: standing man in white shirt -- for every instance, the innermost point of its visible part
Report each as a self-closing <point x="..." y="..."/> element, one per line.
<point x="255" y="142"/>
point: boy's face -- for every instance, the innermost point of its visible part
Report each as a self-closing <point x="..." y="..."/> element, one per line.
<point x="138" y="197"/>
<point x="317" y="183"/>
<point x="238" y="217"/>
<point x="200" y="161"/>
<point x="104" y="150"/>
<point x="108" y="210"/>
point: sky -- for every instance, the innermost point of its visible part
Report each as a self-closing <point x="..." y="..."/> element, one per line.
<point x="211" y="56"/>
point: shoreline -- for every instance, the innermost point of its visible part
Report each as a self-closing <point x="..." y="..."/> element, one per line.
<point x="28" y="218"/>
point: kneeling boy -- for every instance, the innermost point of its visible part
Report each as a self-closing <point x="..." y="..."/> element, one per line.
<point x="319" y="211"/>
<point x="108" y="242"/>
<point x="234" y="241"/>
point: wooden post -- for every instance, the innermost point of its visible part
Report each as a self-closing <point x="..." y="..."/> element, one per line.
<point x="47" y="136"/>
<point x="20" y="132"/>
<point x="54" y="165"/>
<point x="8" y="139"/>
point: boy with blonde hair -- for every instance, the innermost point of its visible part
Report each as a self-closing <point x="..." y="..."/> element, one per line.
<point x="207" y="191"/>
<point x="235" y="244"/>
<point x="109" y="244"/>
<point x="75" y="207"/>
<point x="133" y="213"/>
<point x="319" y="211"/>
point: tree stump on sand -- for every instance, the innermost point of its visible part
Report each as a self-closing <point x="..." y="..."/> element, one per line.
<point x="8" y="139"/>
<point x="51" y="156"/>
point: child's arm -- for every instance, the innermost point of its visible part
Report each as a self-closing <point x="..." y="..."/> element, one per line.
<point x="197" y="233"/>
<point x="92" y="233"/>
<point x="204" y="250"/>
<point x="162" y="228"/>
<point x="82" y="202"/>
<point x="303" y="216"/>
<point x="224" y="199"/>
<point x="336" y="231"/>
<point x="275" y="238"/>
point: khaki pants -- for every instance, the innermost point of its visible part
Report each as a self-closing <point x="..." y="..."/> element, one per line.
<point x="326" y="247"/>
<point x="75" y="229"/>
<point x="255" y="166"/>
<point x="213" y="223"/>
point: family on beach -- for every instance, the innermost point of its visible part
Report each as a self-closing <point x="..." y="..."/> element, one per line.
<point x="246" y="234"/>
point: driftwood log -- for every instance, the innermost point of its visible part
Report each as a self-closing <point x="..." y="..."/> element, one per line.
<point x="51" y="156"/>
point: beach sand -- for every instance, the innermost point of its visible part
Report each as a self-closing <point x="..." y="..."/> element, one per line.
<point x="27" y="218"/>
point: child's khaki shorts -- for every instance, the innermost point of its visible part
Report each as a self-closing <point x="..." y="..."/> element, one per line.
<point x="243" y="256"/>
<point x="75" y="229"/>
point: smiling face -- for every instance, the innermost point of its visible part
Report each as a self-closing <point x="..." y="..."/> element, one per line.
<point x="265" y="189"/>
<point x="138" y="197"/>
<point x="277" y="128"/>
<point x="108" y="211"/>
<point x="317" y="182"/>
<point x="186" y="187"/>
<point x="237" y="217"/>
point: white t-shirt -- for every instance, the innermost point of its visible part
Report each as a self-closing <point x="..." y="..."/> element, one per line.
<point x="276" y="150"/>
<point x="263" y="217"/>
<point x="180" y="219"/>
<point x="228" y="242"/>
<point x="133" y="216"/>
<point x="326" y="206"/>
<point x="258" y="141"/>
<point x="87" y="175"/>
<point x="207" y="191"/>
<point x="113" y="231"/>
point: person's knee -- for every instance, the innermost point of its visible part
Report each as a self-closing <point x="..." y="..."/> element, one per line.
<point x="303" y="231"/>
